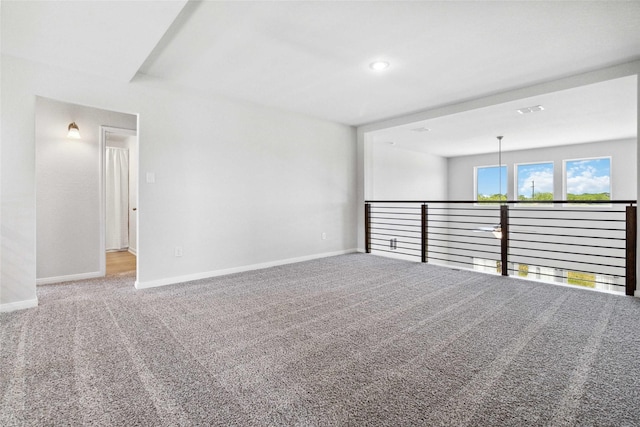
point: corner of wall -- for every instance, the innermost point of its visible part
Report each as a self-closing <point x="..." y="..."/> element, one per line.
<point x="18" y="305"/>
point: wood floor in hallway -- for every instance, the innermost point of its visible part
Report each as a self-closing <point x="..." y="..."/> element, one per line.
<point x="120" y="262"/>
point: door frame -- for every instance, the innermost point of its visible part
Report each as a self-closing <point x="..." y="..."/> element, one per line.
<point x="104" y="130"/>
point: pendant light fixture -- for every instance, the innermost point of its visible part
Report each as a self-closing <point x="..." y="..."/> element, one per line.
<point x="74" y="131"/>
<point x="497" y="230"/>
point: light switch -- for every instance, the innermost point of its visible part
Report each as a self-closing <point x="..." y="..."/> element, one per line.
<point x="151" y="177"/>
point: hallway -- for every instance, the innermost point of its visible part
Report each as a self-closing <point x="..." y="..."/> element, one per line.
<point x="121" y="262"/>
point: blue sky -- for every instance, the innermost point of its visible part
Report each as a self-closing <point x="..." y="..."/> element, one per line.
<point x="583" y="177"/>
<point x="541" y="174"/>
<point x="588" y="176"/>
<point x="488" y="183"/>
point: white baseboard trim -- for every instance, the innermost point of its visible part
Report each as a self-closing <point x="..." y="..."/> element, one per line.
<point x="18" y="305"/>
<point x="69" y="278"/>
<point x="637" y="293"/>
<point x="208" y="274"/>
<point x="133" y="251"/>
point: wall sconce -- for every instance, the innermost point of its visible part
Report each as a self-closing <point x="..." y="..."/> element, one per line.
<point x="74" y="131"/>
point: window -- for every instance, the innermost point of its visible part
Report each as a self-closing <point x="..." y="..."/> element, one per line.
<point x="523" y="270"/>
<point x="577" y="278"/>
<point x="491" y="183"/>
<point x="534" y="181"/>
<point x="591" y="280"/>
<point x="588" y="179"/>
<point x="487" y="265"/>
<point x="536" y="272"/>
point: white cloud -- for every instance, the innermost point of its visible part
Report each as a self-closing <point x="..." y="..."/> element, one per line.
<point x="587" y="183"/>
<point x="543" y="180"/>
<point x="583" y="178"/>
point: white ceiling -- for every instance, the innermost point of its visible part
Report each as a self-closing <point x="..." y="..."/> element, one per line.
<point x="110" y="39"/>
<point x="597" y="112"/>
<point x="312" y="57"/>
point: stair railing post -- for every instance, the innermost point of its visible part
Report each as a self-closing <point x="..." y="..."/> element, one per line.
<point x="504" y="241"/>
<point x="631" y="245"/>
<point x="425" y="226"/>
<point x="367" y="228"/>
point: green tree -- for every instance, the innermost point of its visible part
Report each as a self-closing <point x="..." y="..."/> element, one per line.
<point x="588" y="197"/>
<point x="523" y="270"/>
<point x="492" y="198"/>
<point x="581" y="279"/>
<point x="537" y="197"/>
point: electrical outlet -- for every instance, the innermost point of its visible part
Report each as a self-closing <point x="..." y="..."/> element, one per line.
<point x="324" y="236"/>
<point x="178" y="251"/>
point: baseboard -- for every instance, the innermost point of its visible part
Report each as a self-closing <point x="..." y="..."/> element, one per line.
<point x="216" y="273"/>
<point x="392" y="255"/>
<point x="133" y="251"/>
<point x="69" y="278"/>
<point x="18" y="305"/>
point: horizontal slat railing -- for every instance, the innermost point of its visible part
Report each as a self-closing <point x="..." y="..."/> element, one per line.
<point x="586" y="244"/>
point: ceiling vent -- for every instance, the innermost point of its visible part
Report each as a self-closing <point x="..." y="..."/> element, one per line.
<point x="527" y="110"/>
<point x="421" y="129"/>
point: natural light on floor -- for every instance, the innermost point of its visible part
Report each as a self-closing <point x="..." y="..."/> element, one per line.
<point x="554" y="275"/>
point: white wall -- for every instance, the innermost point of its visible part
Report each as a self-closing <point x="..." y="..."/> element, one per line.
<point x="236" y="185"/>
<point x="623" y="167"/>
<point x="68" y="188"/>
<point x="398" y="174"/>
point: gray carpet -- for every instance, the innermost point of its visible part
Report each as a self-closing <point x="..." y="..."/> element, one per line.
<point x="347" y="340"/>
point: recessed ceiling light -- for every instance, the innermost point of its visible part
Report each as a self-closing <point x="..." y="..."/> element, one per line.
<point x="379" y="65"/>
<point x="527" y="110"/>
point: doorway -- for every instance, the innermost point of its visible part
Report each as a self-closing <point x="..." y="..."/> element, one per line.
<point x="70" y="182"/>
<point x="120" y="263"/>
<point x="120" y="154"/>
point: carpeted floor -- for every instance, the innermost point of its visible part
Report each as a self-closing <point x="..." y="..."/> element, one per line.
<point x="348" y="340"/>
